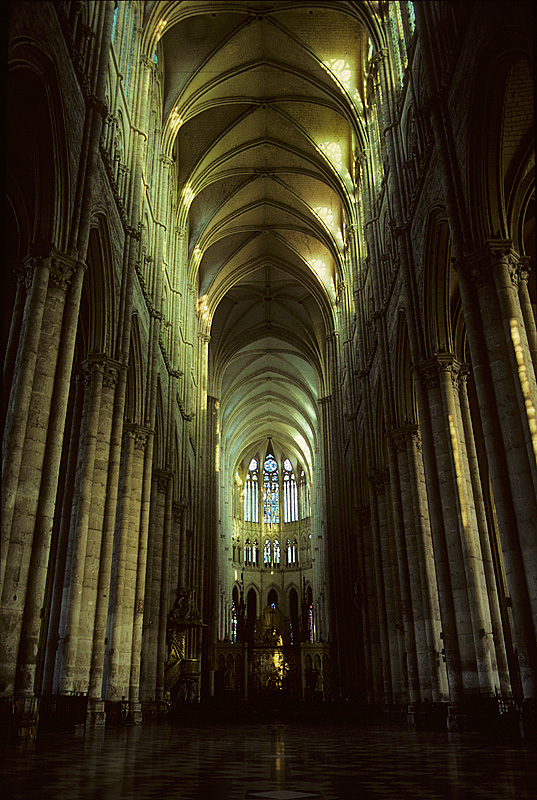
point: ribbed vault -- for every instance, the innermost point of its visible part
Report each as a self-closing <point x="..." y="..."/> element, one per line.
<point x="263" y="116"/>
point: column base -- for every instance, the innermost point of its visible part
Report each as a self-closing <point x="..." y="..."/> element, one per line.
<point x="456" y="721"/>
<point x="135" y="714"/>
<point x="22" y="717"/>
<point x="528" y="720"/>
<point x="96" y="715"/>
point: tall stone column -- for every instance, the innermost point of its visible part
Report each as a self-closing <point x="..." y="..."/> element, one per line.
<point x="37" y="272"/>
<point x="148" y="675"/>
<point x="376" y="488"/>
<point x="527" y="308"/>
<point x="506" y="272"/>
<point x="454" y="650"/>
<point x="180" y="519"/>
<point x="469" y="536"/>
<point x="365" y="600"/>
<point x="493" y="572"/>
<point x="102" y="603"/>
<point x="164" y="601"/>
<point x="26" y="545"/>
<point x="51" y="677"/>
<point x="74" y="583"/>
<point x="199" y="555"/>
<point x="415" y="613"/>
<point x="508" y="454"/>
<point x="124" y="581"/>
<point x="135" y="569"/>
<point x="507" y="268"/>
<point x="422" y="564"/>
<point x="11" y="345"/>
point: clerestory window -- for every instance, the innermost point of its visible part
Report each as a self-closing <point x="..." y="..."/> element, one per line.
<point x="271" y="491"/>
<point x="251" y="493"/>
<point x="290" y="493"/>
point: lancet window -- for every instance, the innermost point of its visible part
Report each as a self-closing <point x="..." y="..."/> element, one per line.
<point x="304" y="497"/>
<point x="290" y="493"/>
<point x="271" y="491"/>
<point x="292" y="552"/>
<point x="251" y="493"/>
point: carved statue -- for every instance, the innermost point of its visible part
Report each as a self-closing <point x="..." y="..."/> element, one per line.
<point x="183" y="616"/>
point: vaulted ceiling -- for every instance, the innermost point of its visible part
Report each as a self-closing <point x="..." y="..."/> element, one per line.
<point x="263" y="114"/>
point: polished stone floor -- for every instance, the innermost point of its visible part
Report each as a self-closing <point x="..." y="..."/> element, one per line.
<point x="268" y="762"/>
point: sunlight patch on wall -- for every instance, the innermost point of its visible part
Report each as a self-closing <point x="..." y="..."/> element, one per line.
<point x="326" y="215"/>
<point x="203" y="310"/>
<point x="187" y="196"/>
<point x="341" y="70"/>
<point x="461" y="483"/>
<point x="175" y="121"/>
<point x="302" y="443"/>
<point x="524" y="382"/>
<point x="324" y="274"/>
<point x="332" y="150"/>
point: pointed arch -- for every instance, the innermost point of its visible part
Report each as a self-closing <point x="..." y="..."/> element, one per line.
<point x="440" y="285"/>
<point x="405" y="397"/>
<point x="134" y="399"/>
<point x="501" y="134"/>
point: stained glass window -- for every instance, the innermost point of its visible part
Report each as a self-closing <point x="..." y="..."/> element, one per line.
<point x="277" y="552"/>
<point x="271" y="491"/>
<point x="267" y="553"/>
<point x="233" y="624"/>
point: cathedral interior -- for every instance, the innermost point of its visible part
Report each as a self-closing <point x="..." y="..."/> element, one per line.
<point x="270" y="353"/>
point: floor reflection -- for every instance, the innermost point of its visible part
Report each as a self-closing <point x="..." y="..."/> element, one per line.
<point x="269" y="762"/>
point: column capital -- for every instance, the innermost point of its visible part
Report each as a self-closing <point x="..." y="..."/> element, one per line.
<point x="178" y="510"/>
<point x="495" y="253"/>
<point x="147" y="62"/>
<point x="440" y="363"/>
<point x="378" y="57"/>
<point x="162" y="478"/>
<point x="404" y="434"/>
<point x="364" y="514"/>
<point x="90" y="368"/>
<point x="362" y="157"/>
<point x="379" y="480"/>
<point x="61" y="266"/>
<point x="138" y="433"/>
<point x="99" y="362"/>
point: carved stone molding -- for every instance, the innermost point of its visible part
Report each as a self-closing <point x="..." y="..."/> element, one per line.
<point x="403" y="435"/>
<point x="162" y="478"/>
<point x="379" y="480"/>
<point x="429" y="374"/>
<point x="442" y="362"/>
<point x="61" y="266"/>
<point x="92" y="366"/>
<point x="178" y="510"/>
<point x="139" y="434"/>
<point x="185" y="416"/>
<point x="480" y="265"/>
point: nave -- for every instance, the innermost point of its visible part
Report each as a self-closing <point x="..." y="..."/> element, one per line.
<point x="270" y="761"/>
